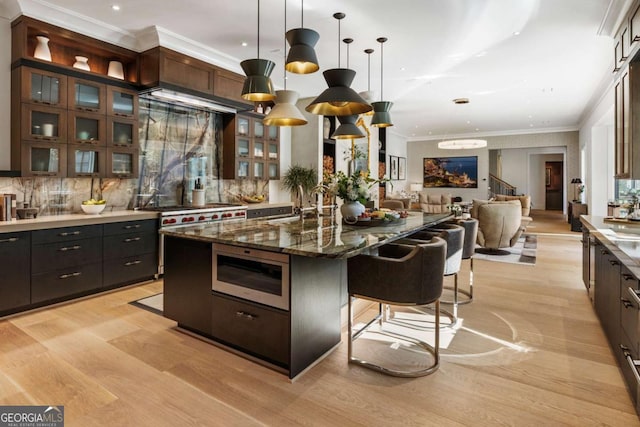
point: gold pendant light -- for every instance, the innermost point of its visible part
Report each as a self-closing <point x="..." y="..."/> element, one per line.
<point x="338" y="99"/>
<point x="257" y="86"/>
<point x="381" y="116"/>
<point x="285" y="112"/>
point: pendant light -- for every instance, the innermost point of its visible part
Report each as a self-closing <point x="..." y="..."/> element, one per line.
<point x="462" y="144"/>
<point x="347" y="128"/>
<point x="257" y="86"/>
<point x="302" y="57"/>
<point x="338" y="99"/>
<point x="368" y="95"/>
<point x="381" y="117"/>
<point x="285" y="112"/>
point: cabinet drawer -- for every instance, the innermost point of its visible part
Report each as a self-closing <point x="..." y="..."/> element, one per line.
<point x="65" y="283"/>
<point x="258" y="330"/>
<point x="629" y="311"/>
<point x="125" y="245"/>
<point x="141" y="226"/>
<point x="59" y="255"/>
<point x="130" y="270"/>
<point x="630" y="366"/>
<point x="65" y="234"/>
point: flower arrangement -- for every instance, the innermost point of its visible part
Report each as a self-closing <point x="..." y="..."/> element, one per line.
<point x="351" y="188"/>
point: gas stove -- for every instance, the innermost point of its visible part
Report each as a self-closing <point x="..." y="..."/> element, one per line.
<point x="187" y="215"/>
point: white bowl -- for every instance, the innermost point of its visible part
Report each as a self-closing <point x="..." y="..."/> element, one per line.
<point x="93" y="209"/>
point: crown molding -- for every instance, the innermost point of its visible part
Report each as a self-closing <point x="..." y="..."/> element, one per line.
<point x="498" y="133"/>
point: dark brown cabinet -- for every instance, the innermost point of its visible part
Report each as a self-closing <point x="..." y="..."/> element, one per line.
<point x="251" y="150"/>
<point x="607" y="293"/>
<point x="15" y="280"/>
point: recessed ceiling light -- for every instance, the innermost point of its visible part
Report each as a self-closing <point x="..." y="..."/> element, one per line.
<point x="115" y="7"/>
<point x="530" y="125"/>
<point x="244" y="44"/>
<point x="516" y="33"/>
<point x="402" y="68"/>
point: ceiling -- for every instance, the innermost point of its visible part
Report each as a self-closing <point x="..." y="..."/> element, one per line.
<point x="525" y="65"/>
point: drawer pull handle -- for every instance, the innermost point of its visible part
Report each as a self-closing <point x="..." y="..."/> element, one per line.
<point x="9" y="240"/>
<point x="129" y="227"/>
<point x="604" y="252"/>
<point x="130" y="263"/>
<point x="131" y="239"/>
<point x="633" y="364"/>
<point x="70" y="248"/>
<point x="69" y="233"/>
<point x="66" y="276"/>
<point x="628" y="277"/>
<point x="246" y="315"/>
<point x="634" y="295"/>
<point x="613" y="262"/>
<point x="626" y="303"/>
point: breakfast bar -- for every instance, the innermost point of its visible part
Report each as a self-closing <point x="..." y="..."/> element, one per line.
<point x="270" y="290"/>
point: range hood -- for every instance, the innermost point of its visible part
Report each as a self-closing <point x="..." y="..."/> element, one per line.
<point x="188" y="100"/>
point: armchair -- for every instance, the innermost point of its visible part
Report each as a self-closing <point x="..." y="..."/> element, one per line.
<point x="499" y="226"/>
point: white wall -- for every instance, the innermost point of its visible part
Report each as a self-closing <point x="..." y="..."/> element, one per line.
<point x="537" y="181"/>
<point x="5" y="92"/>
<point x="397" y="146"/>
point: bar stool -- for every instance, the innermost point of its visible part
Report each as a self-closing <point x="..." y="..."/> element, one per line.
<point x="454" y="236"/>
<point x="470" y="226"/>
<point x="404" y="275"/>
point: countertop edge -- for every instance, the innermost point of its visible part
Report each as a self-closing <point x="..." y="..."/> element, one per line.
<point x="71" y="220"/>
<point x="631" y="263"/>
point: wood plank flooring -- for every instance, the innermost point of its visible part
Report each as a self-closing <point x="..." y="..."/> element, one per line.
<point x="530" y="353"/>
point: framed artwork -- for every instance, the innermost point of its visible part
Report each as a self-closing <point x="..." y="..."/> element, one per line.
<point x="402" y="168"/>
<point x="393" y="167"/>
<point x="455" y="172"/>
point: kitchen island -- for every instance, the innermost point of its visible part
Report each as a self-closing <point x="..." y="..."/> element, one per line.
<point x="270" y="290"/>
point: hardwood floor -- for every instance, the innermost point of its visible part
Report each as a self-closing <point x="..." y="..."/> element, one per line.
<point x="530" y="352"/>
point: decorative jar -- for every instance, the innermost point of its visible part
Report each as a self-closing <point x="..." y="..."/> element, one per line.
<point x="82" y="63"/>
<point x="42" y="49"/>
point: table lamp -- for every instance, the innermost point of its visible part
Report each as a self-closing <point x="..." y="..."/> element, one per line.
<point x="415" y="189"/>
<point x="575" y="182"/>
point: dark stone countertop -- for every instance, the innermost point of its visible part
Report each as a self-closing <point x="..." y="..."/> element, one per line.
<point x="621" y="238"/>
<point x="326" y="237"/>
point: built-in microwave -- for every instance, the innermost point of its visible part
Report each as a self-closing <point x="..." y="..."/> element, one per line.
<point x="251" y="274"/>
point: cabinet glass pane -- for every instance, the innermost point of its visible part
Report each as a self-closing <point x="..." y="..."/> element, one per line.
<point x="258" y="169"/>
<point x="87" y="129"/>
<point x="243" y="169"/>
<point x="44" y="159"/>
<point x="243" y="148"/>
<point x="258" y="149"/>
<point x="243" y="126"/>
<point x="45" y="124"/>
<point x="273" y="151"/>
<point x="45" y="88"/>
<point x="86" y="161"/>
<point x="87" y="96"/>
<point x="122" y="133"/>
<point x="258" y="129"/>
<point x="273" y="132"/>
<point x="122" y="103"/>
<point x="273" y="170"/>
<point x="121" y="163"/>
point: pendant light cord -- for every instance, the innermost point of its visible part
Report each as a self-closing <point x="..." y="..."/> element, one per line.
<point x="301" y="14"/>
<point x="285" y="46"/>
<point x="369" y="72"/>
<point x="258" y="29"/>
<point x="381" y="70"/>
<point x="339" y="39"/>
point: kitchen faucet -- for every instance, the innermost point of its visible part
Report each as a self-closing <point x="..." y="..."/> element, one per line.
<point x="301" y="210"/>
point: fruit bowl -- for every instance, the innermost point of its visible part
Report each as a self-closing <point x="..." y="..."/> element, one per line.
<point x="93" y="209"/>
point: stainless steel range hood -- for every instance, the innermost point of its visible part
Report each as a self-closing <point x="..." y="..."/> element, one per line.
<point x="187" y="100"/>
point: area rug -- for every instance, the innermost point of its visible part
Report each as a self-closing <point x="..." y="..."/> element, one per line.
<point x="154" y="303"/>
<point x="523" y="252"/>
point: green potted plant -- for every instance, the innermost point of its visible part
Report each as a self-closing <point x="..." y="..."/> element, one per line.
<point x="300" y="178"/>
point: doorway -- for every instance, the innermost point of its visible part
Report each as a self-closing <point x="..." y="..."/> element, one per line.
<point x="553" y="185"/>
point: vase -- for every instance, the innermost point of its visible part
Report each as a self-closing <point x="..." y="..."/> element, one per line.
<point x="81" y="63"/>
<point x="326" y="128"/>
<point x="115" y="70"/>
<point x="42" y="49"/>
<point x="351" y="211"/>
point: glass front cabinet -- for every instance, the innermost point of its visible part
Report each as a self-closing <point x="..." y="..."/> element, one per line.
<point x="43" y="87"/>
<point x="122" y="162"/>
<point x="85" y="161"/>
<point x="87" y="96"/>
<point x="43" y="159"/>
<point x="255" y="148"/>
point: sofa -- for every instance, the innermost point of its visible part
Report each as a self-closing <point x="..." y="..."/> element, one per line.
<point x="399" y="203"/>
<point x="434" y="203"/>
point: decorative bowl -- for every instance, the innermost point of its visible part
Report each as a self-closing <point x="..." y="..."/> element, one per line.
<point x="93" y="209"/>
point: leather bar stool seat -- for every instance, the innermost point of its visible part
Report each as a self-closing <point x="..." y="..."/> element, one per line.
<point x="470" y="226"/>
<point x="402" y="275"/>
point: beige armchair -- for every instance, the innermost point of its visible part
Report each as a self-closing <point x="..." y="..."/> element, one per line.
<point x="525" y="201"/>
<point x="498" y="226"/>
<point x="435" y="203"/>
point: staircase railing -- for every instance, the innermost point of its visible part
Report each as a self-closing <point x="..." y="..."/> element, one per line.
<point x="498" y="186"/>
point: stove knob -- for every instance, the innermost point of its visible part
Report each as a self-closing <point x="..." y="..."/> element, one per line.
<point x="191" y="219"/>
<point x="185" y="219"/>
<point x="166" y="221"/>
<point x="202" y="218"/>
<point x="214" y="216"/>
<point x="241" y="213"/>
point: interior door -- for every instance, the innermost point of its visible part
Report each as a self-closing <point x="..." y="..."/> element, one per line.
<point x="553" y="185"/>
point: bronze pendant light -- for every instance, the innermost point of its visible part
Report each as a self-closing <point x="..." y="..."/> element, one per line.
<point x="302" y="58"/>
<point x="257" y="86"/>
<point x="338" y="99"/>
<point x="347" y="128"/>
<point x="285" y="112"/>
<point x="381" y="116"/>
